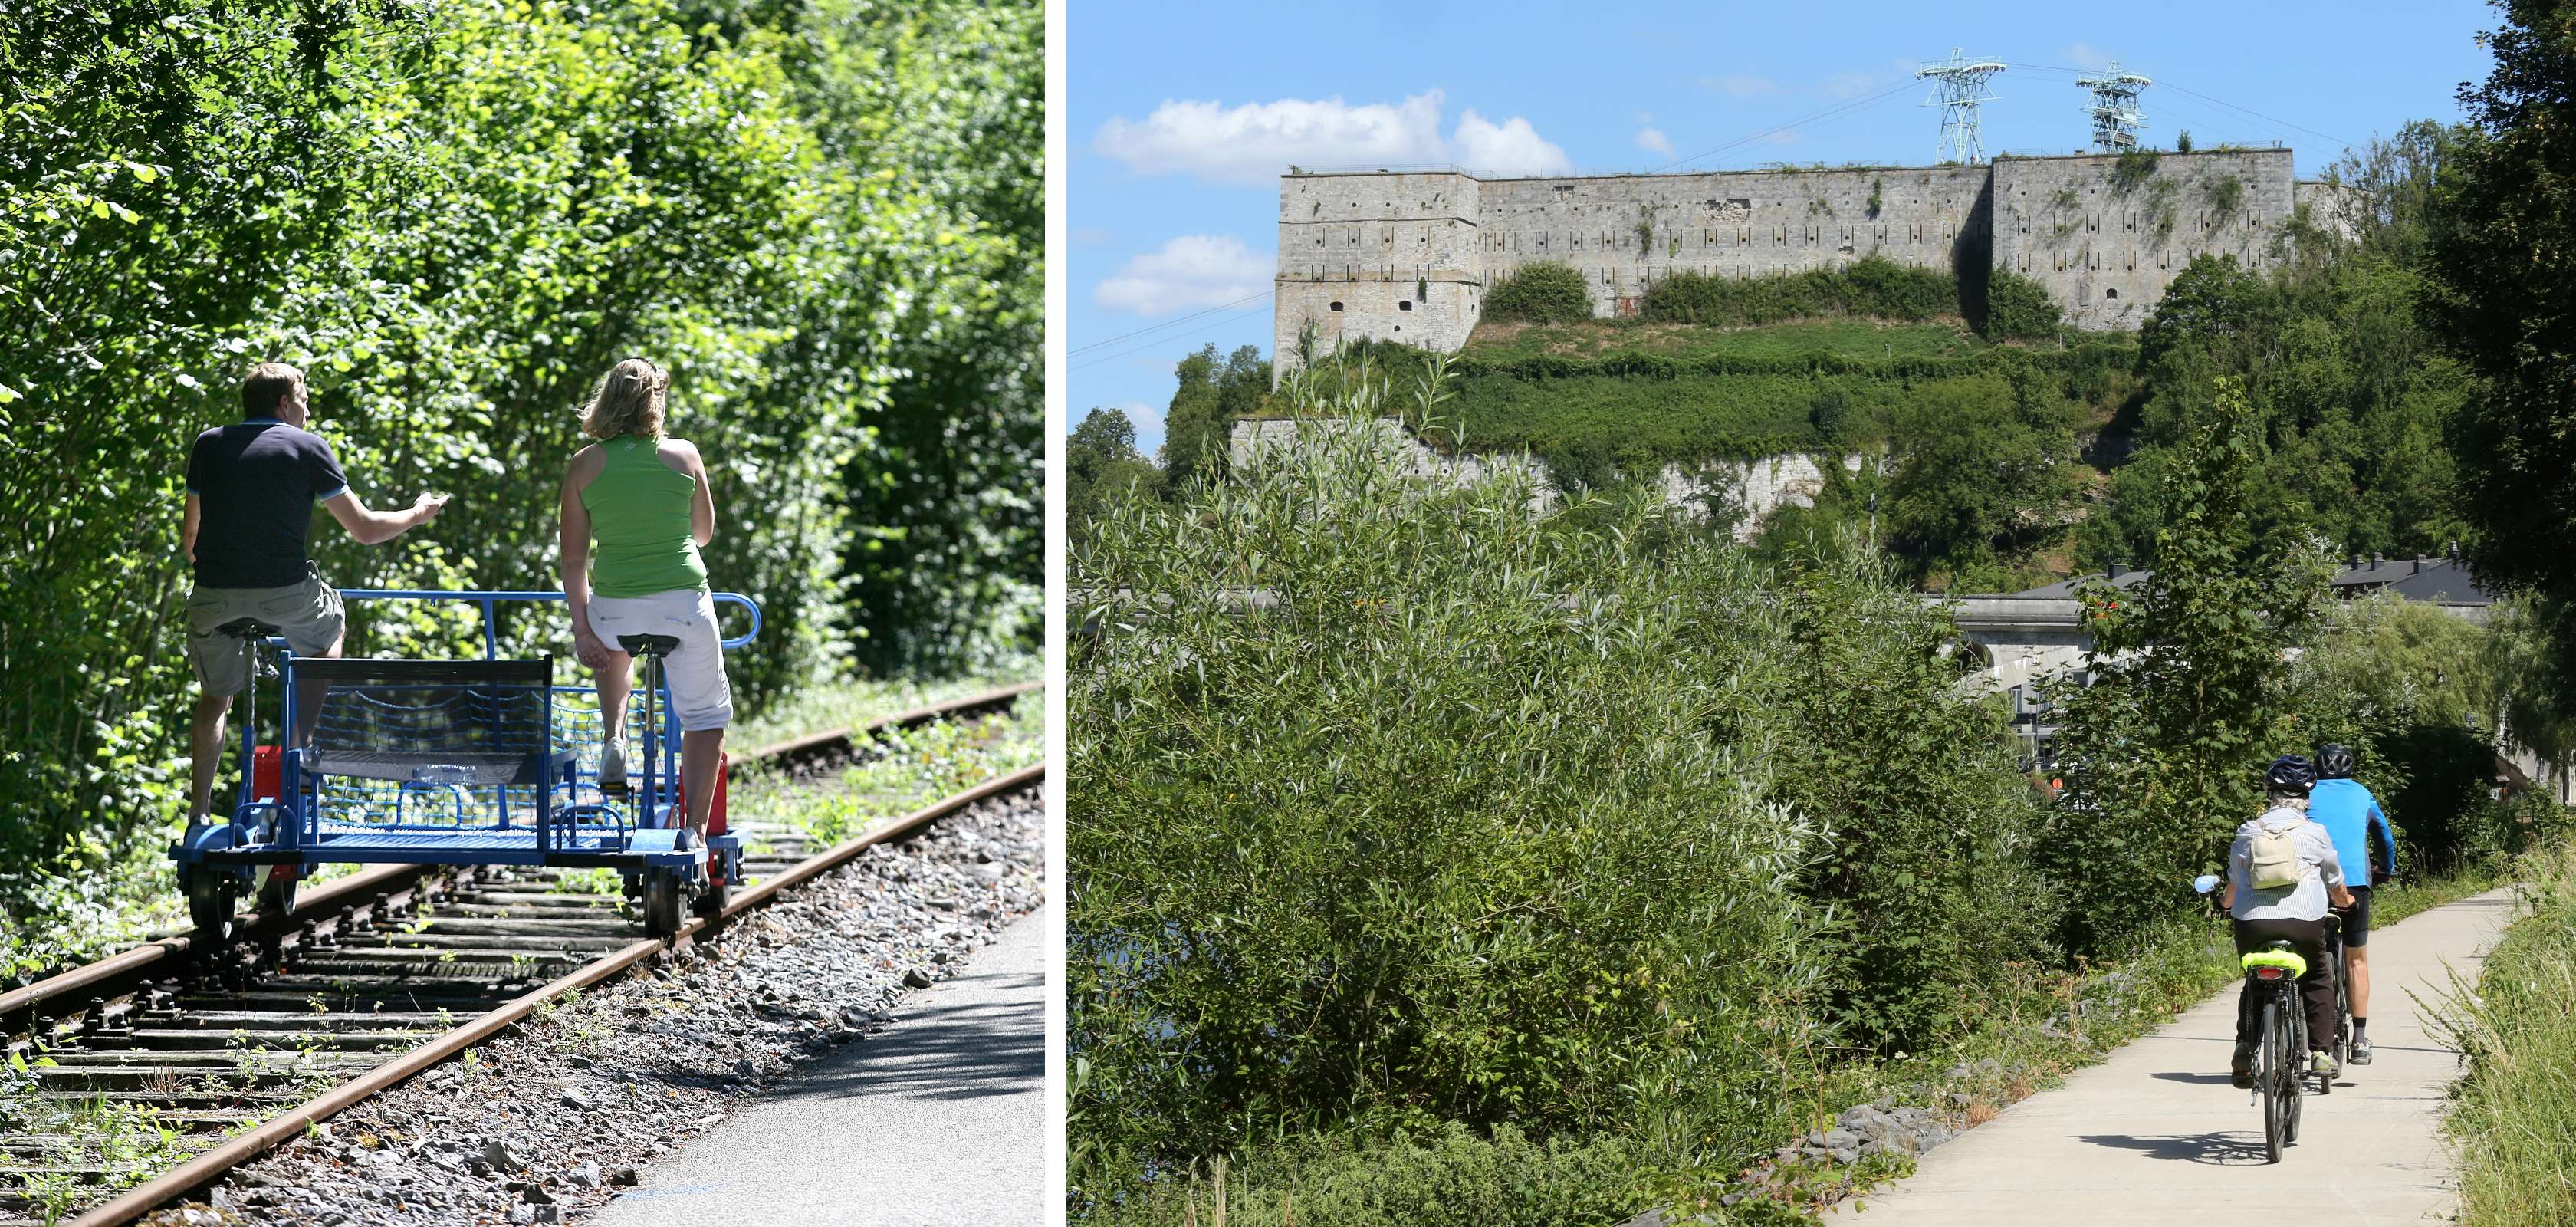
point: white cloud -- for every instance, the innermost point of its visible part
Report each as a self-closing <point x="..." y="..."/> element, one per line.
<point x="1653" y="138"/>
<point x="1510" y="147"/>
<point x="1190" y="273"/>
<point x="1257" y="141"/>
<point x="2086" y="55"/>
<point x="1742" y="85"/>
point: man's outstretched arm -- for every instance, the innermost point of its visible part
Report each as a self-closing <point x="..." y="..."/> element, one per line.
<point x="377" y="527"/>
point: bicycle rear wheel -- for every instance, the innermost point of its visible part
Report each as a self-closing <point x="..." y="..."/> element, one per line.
<point x="2268" y="1083"/>
<point x="2294" y="1043"/>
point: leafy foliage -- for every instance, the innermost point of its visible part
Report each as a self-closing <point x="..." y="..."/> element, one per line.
<point x="823" y="220"/>
<point x="1356" y="844"/>
<point x="1101" y="463"/>
<point x="2190" y="696"/>
<point x="1546" y="292"/>
<point x="1872" y="286"/>
<point x="1983" y="466"/>
<point x="2351" y="394"/>
<point x="2019" y="309"/>
<point x="1198" y="429"/>
<point x="2502" y="301"/>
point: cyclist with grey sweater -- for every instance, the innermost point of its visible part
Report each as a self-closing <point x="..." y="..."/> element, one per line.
<point x="2294" y="912"/>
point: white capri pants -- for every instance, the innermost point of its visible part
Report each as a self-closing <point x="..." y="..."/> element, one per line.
<point x="700" y="696"/>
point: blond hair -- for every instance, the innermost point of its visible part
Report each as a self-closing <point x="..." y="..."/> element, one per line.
<point x="628" y="401"/>
<point x="266" y="386"/>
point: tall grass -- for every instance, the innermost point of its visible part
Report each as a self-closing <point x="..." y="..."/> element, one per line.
<point x="2514" y="1116"/>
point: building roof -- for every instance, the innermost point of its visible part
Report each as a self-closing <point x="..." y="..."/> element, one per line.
<point x="2444" y="581"/>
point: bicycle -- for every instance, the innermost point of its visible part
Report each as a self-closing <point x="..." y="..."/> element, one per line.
<point x="2281" y="1067"/>
<point x="2341" y="971"/>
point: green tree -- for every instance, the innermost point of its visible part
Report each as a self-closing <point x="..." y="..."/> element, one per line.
<point x="1198" y="428"/>
<point x="1101" y="463"/>
<point x="2191" y="694"/>
<point x="2503" y="266"/>
<point x="2350" y="393"/>
<point x="1982" y="468"/>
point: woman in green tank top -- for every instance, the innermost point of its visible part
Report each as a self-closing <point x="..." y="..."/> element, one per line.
<point x="643" y="499"/>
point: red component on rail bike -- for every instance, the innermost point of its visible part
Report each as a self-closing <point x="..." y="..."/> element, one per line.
<point x="263" y="773"/>
<point x="715" y="811"/>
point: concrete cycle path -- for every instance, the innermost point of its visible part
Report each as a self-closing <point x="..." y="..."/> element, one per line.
<point x="938" y="1119"/>
<point x="2155" y="1135"/>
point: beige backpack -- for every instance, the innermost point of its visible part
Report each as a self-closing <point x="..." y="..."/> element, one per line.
<point x="2275" y="860"/>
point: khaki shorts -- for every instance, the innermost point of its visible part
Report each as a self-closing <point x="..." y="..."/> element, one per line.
<point x="695" y="672"/>
<point x="308" y="615"/>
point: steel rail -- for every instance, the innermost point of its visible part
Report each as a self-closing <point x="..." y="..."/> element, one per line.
<point x="205" y="1168"/>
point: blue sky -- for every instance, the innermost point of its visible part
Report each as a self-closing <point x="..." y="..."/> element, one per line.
<point x="1181" y="116"/>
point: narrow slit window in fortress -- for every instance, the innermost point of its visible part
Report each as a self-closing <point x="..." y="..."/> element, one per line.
<point x="1337" y="306"/>
<point x="1404" y="304"/>
<point x="2110" y="293"/>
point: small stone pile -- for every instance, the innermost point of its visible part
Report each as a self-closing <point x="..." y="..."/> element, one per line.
<point x="558" y="1114"/>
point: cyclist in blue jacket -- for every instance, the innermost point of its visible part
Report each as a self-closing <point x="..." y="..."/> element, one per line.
<point x="2352" y="816"/>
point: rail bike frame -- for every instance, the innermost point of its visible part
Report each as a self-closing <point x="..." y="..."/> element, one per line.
<point x="543" y="815"/>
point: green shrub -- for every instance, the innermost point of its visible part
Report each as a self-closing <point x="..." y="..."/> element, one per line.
<point x="2019" y="309"/>
<point x="1548" y="292"/>
<point x="1873" y="286"/>
<point x="1438" y="830"/>
<point x="1376" y="849"/>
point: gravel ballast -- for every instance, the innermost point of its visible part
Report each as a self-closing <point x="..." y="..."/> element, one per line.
<point x="556" y="1115"/>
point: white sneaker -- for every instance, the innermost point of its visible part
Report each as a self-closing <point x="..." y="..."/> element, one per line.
<point x="612" y="767"/>
<point x="2323" y="1063"/>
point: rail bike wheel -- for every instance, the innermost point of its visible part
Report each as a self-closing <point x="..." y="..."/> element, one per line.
<point x="712" y="901"/>
<point x="2272" y="1084"/>
<point x="210" y="899"/>
<point x="661" y="902"/>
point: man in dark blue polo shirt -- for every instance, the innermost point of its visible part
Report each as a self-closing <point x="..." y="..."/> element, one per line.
<point x="251" y="490"/>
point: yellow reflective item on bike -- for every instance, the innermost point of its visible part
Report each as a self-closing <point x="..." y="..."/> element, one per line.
<point x="2286" y="960"/>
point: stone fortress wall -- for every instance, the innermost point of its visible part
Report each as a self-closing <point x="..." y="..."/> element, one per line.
<point x="1407" y="256"/>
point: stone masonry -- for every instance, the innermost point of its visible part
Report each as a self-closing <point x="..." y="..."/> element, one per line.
<point x="1407" y="256"/>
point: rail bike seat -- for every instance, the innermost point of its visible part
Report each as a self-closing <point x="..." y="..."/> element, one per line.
<point x="648" y="645"/>
<point x="247" y="628"/>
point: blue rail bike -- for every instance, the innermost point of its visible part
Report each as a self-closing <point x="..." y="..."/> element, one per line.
<point x="452" y="762"/>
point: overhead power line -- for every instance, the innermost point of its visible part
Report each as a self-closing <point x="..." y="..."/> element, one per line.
<point x="1170" y="323"/>
<point x="1832" y="112"/>
<point x="1138" y="349"/>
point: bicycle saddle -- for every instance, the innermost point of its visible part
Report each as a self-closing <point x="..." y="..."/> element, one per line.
<point x="648" y="645"/>
<point x="246" y="628"/>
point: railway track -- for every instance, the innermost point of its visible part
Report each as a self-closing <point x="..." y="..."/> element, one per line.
<point x="240" y="1045"/>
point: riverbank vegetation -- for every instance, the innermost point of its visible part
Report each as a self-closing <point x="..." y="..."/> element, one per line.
<point x="1404" y="851"/>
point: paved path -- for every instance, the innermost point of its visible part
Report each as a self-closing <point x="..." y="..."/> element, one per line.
<point x="936" y="1120"/>
<point x="2155" y="1135"/>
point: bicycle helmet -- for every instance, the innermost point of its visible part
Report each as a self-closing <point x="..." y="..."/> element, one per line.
<point x="2334" y="762"/>
<point x="2289" y="776"/>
